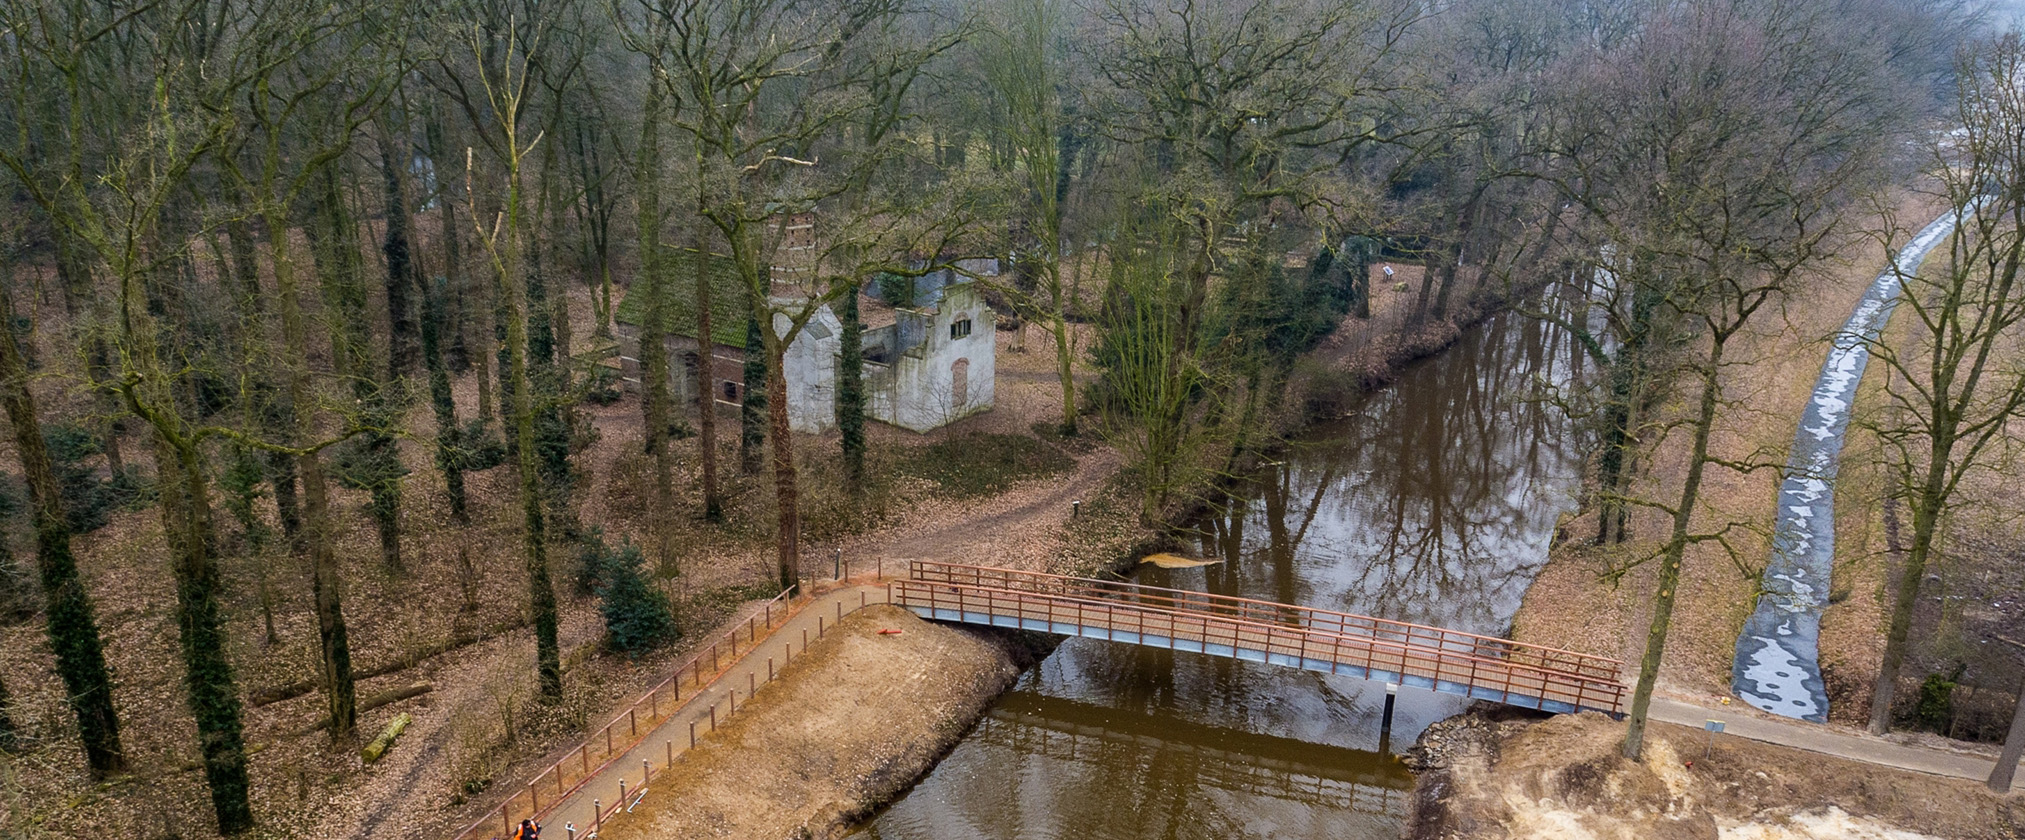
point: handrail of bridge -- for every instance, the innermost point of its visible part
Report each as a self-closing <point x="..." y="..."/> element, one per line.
<point x="1355" y="650"/>
<point x="576" y="767"/>
<point x="1546" y="658"/>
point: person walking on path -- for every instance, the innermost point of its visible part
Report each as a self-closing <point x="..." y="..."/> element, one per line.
<point x="528" y="831"/>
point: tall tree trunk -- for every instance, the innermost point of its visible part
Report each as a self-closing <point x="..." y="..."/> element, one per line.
<point x="1676" y="548"/>
<point x="548" y="352"/>
<point x="541" y="590"/>
<point x="210" y="688"/>
<point x="653" y="350"/>
<point x="2014" y="747"/>
<point x="706" y="392"/>
<point x="74" y="273"/>
<point x="281" y="476"/>
<point x="851" y="396"/>
<point x="266" y="410"/>
<point x="1065" y="346"/>
<point x="1925" y="507"/>
<point x="751" y="416"/>
<point x="449" y="435"/>
<point x="72" y="624"/>
<point x="326" y="583"/>
<point x="7" y="729"/>
<point x="340" y="261"/>
<point x="515" y="312"/>
<point x="787" y="494"/>
<point x="403" y="337"/>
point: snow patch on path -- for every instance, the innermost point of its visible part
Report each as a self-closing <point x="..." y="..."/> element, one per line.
<point x="1778" y="661"/>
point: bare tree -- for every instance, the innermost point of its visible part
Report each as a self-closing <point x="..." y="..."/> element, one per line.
<point x="1719" y="146"/>
<point x="790" y="103"/>
<point x="506" y="95"/>
<point x="1953" y="391"/>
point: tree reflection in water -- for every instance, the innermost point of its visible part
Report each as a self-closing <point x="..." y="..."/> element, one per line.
<point x="1432" y="503"/>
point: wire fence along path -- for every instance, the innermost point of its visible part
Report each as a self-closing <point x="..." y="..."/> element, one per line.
<point x="1479" y="667"/>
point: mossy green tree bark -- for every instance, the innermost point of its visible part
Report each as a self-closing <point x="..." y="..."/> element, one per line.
<point x="752" y="413"/>
<point x="342" y="278"/>
<point x="851" y="394"/>
<point x="706" y="393"/>
<point x="449" y="435"/>
<point x="71" y="620"/>
<point x="506" y="91"/>
<point x="656" y="400"/>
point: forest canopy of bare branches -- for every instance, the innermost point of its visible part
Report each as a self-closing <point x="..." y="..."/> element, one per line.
<point x="274" y="274"/>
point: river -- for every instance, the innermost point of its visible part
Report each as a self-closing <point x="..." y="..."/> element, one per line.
<point x="1434" y="502"/>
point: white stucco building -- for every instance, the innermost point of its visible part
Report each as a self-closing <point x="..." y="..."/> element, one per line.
<point x="926" y="365"/>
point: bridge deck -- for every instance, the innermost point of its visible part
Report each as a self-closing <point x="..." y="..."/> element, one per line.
<point x="1480" y="667"/>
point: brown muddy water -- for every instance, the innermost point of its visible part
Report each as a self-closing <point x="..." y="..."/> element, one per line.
<point x="1434" y="503"/>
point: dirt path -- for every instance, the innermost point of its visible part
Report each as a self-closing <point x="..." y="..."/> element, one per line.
<point x="1012" y="529"/>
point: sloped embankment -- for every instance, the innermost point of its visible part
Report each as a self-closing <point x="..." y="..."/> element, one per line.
<point x="848" y="725"/>
<point x="1564" y="778"/>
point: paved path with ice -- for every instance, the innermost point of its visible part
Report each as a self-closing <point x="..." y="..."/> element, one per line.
<point x="1778" y="665"/>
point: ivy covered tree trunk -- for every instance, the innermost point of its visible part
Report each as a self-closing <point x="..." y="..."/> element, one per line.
<point x="74" y="274"/>
<point x="72" y="624"/>
<point x="7" y="729"/>
<point x="1624" y="398"/>
<point x="326" y="584"/>
<point x="449" y="435"/>
<point x="851" y="395"/>
<point x="655" y="399"/>
<point x="281" y="477"/>
<point x="210" y="687"/>
<point x="752" y="416"/>
<point x="544" y="380"/>
<point x="541" y="590"/>
<point x="706" y="394"/>
<point x="402" y="334"/>
<point x="378" y="468"/>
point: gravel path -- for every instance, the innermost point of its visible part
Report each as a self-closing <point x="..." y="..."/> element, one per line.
<point x="1778" y="665"/>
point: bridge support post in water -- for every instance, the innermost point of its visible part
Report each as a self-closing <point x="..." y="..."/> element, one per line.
<point x="1385" y="721"/>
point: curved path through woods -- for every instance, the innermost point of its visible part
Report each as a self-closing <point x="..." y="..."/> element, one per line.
<point x="1778" y="662"/>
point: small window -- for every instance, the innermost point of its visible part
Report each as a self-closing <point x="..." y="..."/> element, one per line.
<point x="959" y="329"/>
<point x="730" y="391"/>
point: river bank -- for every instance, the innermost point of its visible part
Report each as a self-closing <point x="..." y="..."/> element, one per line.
<point x="1492" y="777"/>
<point x="848" y="725"/>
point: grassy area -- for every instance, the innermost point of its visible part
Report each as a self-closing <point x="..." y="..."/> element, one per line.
<point x="980" y="465"/>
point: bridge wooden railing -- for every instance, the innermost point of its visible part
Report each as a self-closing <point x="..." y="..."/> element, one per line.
<point x="1165" y="617"/>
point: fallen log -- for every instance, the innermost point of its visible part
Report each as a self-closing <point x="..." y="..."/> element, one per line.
<point x="373" y="702"/>
<point x="366" y="705"/>
<point x="290" y="691"/>
<point x="379" y="747"/>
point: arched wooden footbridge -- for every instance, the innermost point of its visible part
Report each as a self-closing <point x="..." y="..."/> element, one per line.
<point x="1479" y="667"/>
